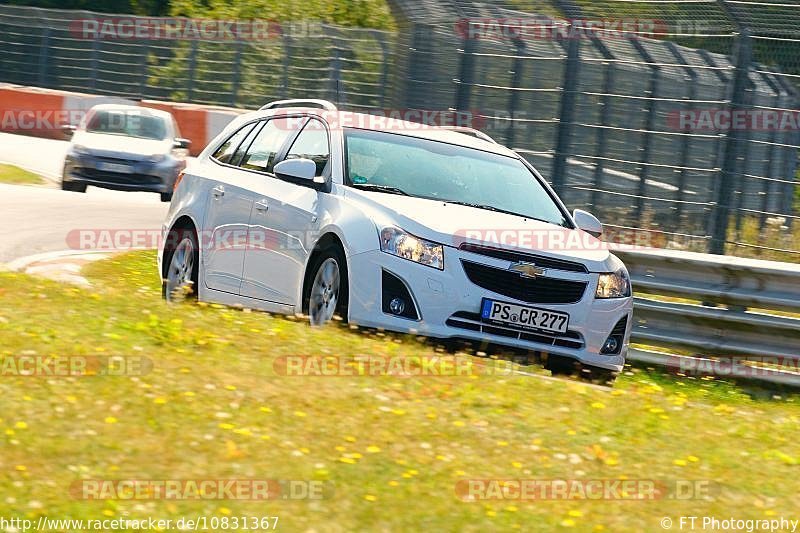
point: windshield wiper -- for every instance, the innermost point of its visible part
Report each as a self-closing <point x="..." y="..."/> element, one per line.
<point x="498" y="210"/>
<point x="379" y="188"/>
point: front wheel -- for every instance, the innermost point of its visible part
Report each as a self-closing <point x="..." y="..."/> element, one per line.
<point x="327" y="295"/>
<point x="180" y="282"/>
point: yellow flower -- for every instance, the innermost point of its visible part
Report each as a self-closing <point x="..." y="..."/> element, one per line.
<point x="575" y="513"/>
<point x="230" y="387"/>
<point x="393" y="483"/>
<point x="21" y="468"/>
<point x="373" y="449"/>
<point x="224" y="510"/>
<point x="502" y="443"/>
<point x="301" y="414"/>
<point x="491" y="513"/>
<point x="679" y="462"/>
<point x="160" y="401"/>
<point x="108" y="512"/>
<point x="692" y="458"/>
<point x="458" y="423"/>
<point x="568" y="522"/>
<point x="350" y="438"/>
<point x="516" y="464"/>
<point x="347" y="460"/>
<point x="21" y="425"/>
<point x="225" y="425"/>
<point x="265" y="409"/>
<point x="511" y="509"/>
<point x="370" y="497"/>
<point x="111" y="420"/>
<point x="598" y="405"/>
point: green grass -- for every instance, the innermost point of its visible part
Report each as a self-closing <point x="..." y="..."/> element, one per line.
<point x="19" y="176"/>
<point x="393" y="448"/>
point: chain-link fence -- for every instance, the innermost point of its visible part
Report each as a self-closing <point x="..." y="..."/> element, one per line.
<point x="676" y="118"/>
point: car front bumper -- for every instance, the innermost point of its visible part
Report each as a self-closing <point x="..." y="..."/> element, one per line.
<point x="143" y="176"/>
<point x="449" y="306"/>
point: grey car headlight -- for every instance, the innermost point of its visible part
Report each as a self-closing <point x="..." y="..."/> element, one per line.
<point x="79" y="149"/>
<point x="614" y="285"/>
<point x="402" y="244"/>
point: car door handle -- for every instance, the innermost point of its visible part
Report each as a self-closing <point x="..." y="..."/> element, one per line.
<point x="262" y="206"/>
<point x="218" y="191"/>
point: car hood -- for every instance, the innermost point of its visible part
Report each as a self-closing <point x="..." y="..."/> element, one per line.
<point x="453" y="225"/>
<point x="103" y="144"/>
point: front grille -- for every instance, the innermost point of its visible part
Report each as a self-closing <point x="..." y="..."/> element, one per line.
<point x="539" y="290"/>
<point x="474" y="322"/>
<point x="511" y="255"/>
<point x="118" y="177"/>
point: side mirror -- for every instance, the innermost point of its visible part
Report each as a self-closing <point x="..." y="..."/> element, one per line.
<point x="299" y="170"/>
<point x="587" y="222"/>
<point x="68" y="130"/>
<point x="181" y="144"/>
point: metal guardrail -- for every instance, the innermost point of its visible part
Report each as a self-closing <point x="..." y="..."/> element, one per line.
<point x="715" y="306"/>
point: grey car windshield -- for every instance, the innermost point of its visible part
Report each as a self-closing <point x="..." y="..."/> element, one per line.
<point x="131" y="124"/>
<point x="402" y="164"/>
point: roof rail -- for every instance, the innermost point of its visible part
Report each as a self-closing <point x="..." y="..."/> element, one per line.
<point x="470" y="131"/>
<point x="300" y="102"/>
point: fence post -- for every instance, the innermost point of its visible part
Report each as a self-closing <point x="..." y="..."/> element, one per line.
<point x="513" y="99"/>
<point x="686" y="138"/>
<point x="721" y="215"/>
<point x="44" y="57"/>
<point x="192" y="71"/>
<point x="566" y="114"/>
<point x="606" y="104"/>
<point x="237" y="72"/>
<point x="466" y="71"/>
<point x="652" y="93"/>
<point x="93" y="63"/>
<point x="143" y="66"/>
<point x="336" y="74"/>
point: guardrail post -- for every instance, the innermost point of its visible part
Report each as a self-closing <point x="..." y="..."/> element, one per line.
<point x="381" y="38"/>
<point x="733" y="143"/>
<point x="287" y="61"/>
<point x="336" y="75"/>
<point x="143" y="66"/>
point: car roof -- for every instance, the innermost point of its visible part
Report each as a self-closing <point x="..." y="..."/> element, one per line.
<point x="133" y="109"/>
<point x="389" y="124"/>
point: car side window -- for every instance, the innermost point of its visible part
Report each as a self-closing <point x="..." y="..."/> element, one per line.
<point x="225" y="153"/>
<point x="262" y="153"/>
<point x="313" y="144"/>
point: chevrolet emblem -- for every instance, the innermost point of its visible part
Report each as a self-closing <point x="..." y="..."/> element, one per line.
<point x="527" y="270"/>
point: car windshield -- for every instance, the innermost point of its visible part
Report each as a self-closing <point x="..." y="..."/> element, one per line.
<point x="128" y="123"/>
<point x="400" y="164"/>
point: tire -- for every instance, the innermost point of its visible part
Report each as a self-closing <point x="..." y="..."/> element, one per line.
<point x="327" y="292"/>
<point x="562" y="366"/>
<point x="72" y="186"/>
<point x="182" y="257"/>
<point x="600" y="376"/>
<point x="166" y="196"/>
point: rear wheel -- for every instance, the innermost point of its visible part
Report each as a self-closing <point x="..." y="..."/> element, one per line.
<point x="73" y="186"/>
<point x="180" y="280"/>
<point x="327" y="294"/>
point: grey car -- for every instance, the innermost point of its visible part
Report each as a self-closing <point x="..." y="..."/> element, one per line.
<point x="126" y="148"/>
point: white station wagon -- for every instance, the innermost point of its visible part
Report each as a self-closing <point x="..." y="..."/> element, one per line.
<point x="299" y="208"/>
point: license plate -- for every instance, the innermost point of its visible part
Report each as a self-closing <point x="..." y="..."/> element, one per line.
<point x="114" y="167"/>
<point x="523" y="316"/>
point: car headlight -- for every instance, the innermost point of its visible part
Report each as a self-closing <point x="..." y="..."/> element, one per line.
<point x="402" y="244"/>
<point x="614" y="285"/>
